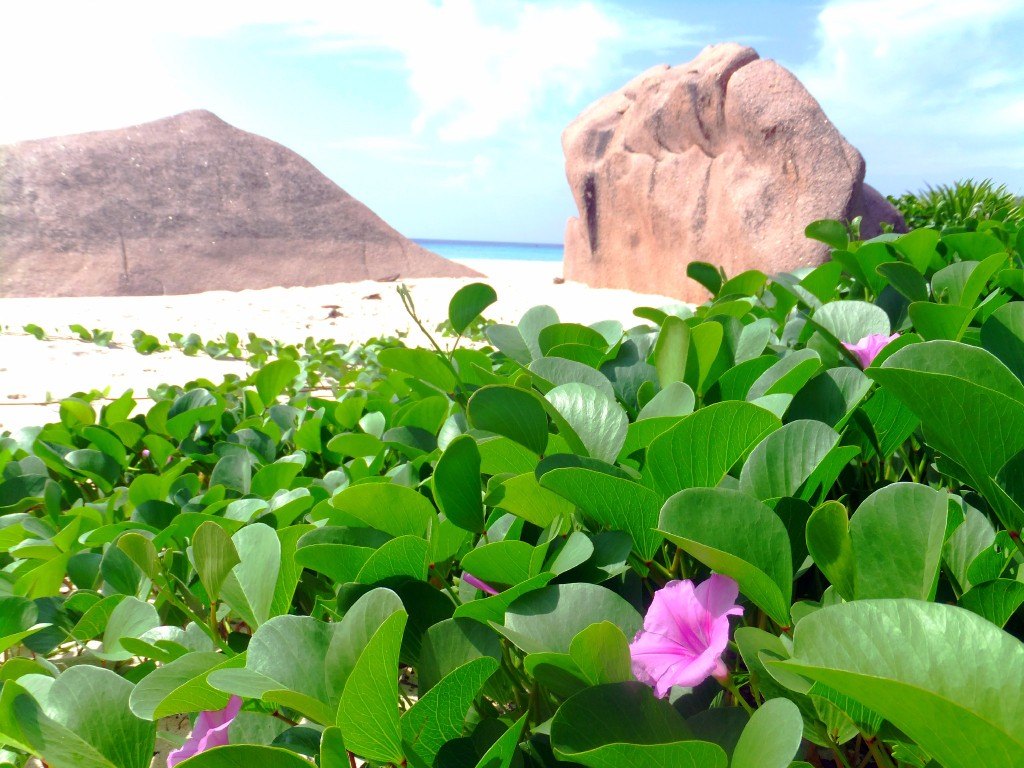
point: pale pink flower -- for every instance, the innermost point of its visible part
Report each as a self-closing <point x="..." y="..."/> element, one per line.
<point x="473" y="581"/>
<point x="685" y="633"/>
<point x="867" y="349"/>
<point x="210" y="730"/>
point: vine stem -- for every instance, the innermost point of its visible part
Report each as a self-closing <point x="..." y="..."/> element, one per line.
<point x="838" y="752"/>
<point x="677" y="569"/>
<point x="277" y="713"/>
<point x="446" y="357"/>
<point x="168" y="592"/>
<point x="213" y="634"/>
<point x="655" y="565"/>
<point x="451" y="592"/>
<point x="880" y="756"/>
<point x="909" y="465"/>
<point x="726" y="682"/>
<point x="410" y="308"/>
<point x="214" y="624"/>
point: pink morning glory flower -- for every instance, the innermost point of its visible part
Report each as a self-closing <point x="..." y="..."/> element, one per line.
<point x="210" y="730"/>
<point x="867" y="349"/>
<point x="473" y="581"/>
<point x="685" y="633"/>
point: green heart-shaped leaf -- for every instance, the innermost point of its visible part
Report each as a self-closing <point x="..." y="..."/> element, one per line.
<point x="700" y="450"/>
<point x="439" y="715"/>
<point x="1002" y="334"/>
<point x="905" y="660"/>
<point x="423" y="364"/>
<point x="215" y="555"/>
<point x="514" y="413"/>
<point x="388" y="507"/>
<point x="81" y="721"/>
<point x="456" y="484"/>
<point x="622" y="725"/>
<point x="467" y="303"/>
<point x="549" y="619"/>
<point x="771" y="738"/>
<point x="971" y="405"/>
<point x="368" y="713"/>
<point x="830" y="546"/>
<point x="779" y="464"/>
<point x="246" y="756"/>
<point x="601" y="653"/>
<point x="996" y="600"/>
<point x="558" y="370"/>
<point x="250" y="585"/>
<point x="613" y="502"/>
<point x="897" y="535"/>
<point x="735" y="534"/>
<point x="272" y="378"/>
<point x="598" y="420"/>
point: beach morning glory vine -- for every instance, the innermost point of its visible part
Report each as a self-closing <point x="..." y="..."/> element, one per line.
<point x="867" y="349"/>
<point x="685" y="633"/>
<point x="209" y="731"/>
<point x="473" y="581"/>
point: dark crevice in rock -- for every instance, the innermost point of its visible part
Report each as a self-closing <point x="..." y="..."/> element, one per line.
<point x="603" y="138"/>
<point x="124" y="258"/>
<point x="590" y="209"/>
<point x="700" y="215"/>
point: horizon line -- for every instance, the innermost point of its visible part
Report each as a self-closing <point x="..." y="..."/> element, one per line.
<point x="424" y="240"/>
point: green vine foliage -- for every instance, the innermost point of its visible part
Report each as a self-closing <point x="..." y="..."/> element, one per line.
<point x="302" y="538"/>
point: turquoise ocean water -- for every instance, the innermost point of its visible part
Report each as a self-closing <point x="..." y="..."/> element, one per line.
<point x="468" y="249"/>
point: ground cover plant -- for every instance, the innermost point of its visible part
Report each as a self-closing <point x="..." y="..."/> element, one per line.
<point x="780" y="529"/>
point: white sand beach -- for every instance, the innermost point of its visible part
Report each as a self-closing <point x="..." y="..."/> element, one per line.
<point x="34" y="374"/>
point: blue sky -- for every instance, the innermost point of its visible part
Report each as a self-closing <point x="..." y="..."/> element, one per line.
<point x="445" y="116"/>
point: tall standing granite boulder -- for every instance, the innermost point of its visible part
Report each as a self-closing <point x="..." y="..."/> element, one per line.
<point x="725" y="159"/>
<point x="183" y="205"/>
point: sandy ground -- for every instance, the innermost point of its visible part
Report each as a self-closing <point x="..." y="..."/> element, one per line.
<point x="34" y="373"/>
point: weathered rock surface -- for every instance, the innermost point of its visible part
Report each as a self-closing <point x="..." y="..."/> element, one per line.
<point x="725" y="159"/>
<point x="183" y="205"/>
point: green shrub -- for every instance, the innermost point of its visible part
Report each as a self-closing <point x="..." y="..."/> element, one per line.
<point x="963" y="204"/>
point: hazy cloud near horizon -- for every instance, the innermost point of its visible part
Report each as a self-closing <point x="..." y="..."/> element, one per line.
<point x="445" y="117"/>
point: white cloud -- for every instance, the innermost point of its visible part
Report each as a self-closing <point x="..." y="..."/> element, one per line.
<point x="70" y="67"/>
<point x="926" y="89"/>
<point x="474" y="66"/>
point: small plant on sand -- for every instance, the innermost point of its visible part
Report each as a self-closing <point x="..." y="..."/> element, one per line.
<point x="34" y="330"/>
<point x="97" y="336"/>
<point x="146" y="343"/>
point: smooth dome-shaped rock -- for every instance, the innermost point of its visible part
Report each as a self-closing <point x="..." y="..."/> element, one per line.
<point x="183" y="205"/>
